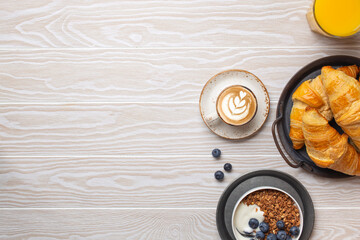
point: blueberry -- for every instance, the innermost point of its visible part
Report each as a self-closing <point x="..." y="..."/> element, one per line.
<point x="281" y="235"/>
<point x="280" y="224"/>
<point x="288" y="237"/>
<point x="264" y="227"/>
<point x="294" y="231"/>
<point x="271" y="237"/>
<point x="216" y="153"/>
<point x="227" y="167"/>
<point x="253" y="223"/>
<point x="260" y="235"/>
<point x="219" y="175"/>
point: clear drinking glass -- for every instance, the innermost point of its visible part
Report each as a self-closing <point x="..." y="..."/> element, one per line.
<point x="335" y="18"/>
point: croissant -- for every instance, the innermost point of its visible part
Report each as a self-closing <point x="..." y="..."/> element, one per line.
<point x="326" y="147"/>
<point x="352" y="70"/>
<point x="296" y="134"/>
<point x="304" y="96"/>
<point x="344" y="97"/>
<point x="311" y="93"/>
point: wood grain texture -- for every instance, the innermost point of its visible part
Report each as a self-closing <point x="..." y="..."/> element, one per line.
<point x="152" y="75"/>
<point x="132" y="224"/>
<point x="117" y="129"/>
<point x="201" y="23"/>
<point x="98" y="109"/>
<point x="107" y="224"/>
<point x="140" y="181"/>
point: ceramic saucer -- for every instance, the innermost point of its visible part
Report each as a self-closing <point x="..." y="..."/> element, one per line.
<point x="213" y="88"/>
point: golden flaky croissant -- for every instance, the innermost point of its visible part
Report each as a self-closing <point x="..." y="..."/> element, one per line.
<point x="304" y="96"/>
<point x="311" y="93"/>
<point x="296" y="134"/>
<point x="351" y="71"/>
<point x="326" y="147"/>
<point x="344" y="97"/>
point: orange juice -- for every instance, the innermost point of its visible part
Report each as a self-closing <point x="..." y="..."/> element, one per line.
<point x="338" y="17"/>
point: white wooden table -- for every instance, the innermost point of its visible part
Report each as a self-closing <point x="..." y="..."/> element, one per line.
<point x="101" y="136"/>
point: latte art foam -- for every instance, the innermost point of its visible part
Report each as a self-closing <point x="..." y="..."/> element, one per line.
<point x="236" y="105"/>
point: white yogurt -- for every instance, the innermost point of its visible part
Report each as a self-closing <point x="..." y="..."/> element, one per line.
<point x="242" y="216"/>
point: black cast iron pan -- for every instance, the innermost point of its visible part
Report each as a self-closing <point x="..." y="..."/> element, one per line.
<point x="299" y="158"/>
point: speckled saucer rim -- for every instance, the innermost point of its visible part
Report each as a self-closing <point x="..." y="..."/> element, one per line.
<point x="266" y="102"/>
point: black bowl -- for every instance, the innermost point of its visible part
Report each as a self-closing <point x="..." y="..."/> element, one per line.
<point x="263" y="178"/>
<point x="299" y="158"/>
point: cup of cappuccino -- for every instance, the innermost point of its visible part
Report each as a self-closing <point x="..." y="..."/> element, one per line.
<point x="236" y="105"/>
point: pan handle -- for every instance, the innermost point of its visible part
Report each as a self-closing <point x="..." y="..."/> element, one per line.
<point x="292" y="162"/>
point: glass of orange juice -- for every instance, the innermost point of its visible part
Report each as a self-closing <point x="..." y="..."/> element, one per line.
<point x="335" y="18"/>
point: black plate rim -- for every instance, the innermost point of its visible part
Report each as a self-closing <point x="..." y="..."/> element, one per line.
<point x="280" y="110"/>
<point x="298" y="186"/>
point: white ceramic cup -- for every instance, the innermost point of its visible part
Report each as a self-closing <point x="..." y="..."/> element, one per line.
<point x="216" y="116"/>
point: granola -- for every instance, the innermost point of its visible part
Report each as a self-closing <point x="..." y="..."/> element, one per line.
<point x="276" y="206"/>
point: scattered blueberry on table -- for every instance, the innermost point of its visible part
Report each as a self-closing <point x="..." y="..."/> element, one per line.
<point x="264" y="227"/>
<point x="280" y="224"/>
<point x="260" y="235"/>
<point x="294" y="231"/>
<point x="227" y="167"/>
<point x="281" y="235"/>
<point x="219" y="175"/>
<point x="271" y="237"/>
<point x="216" y="153"/>
<point x="253" y="223"/>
